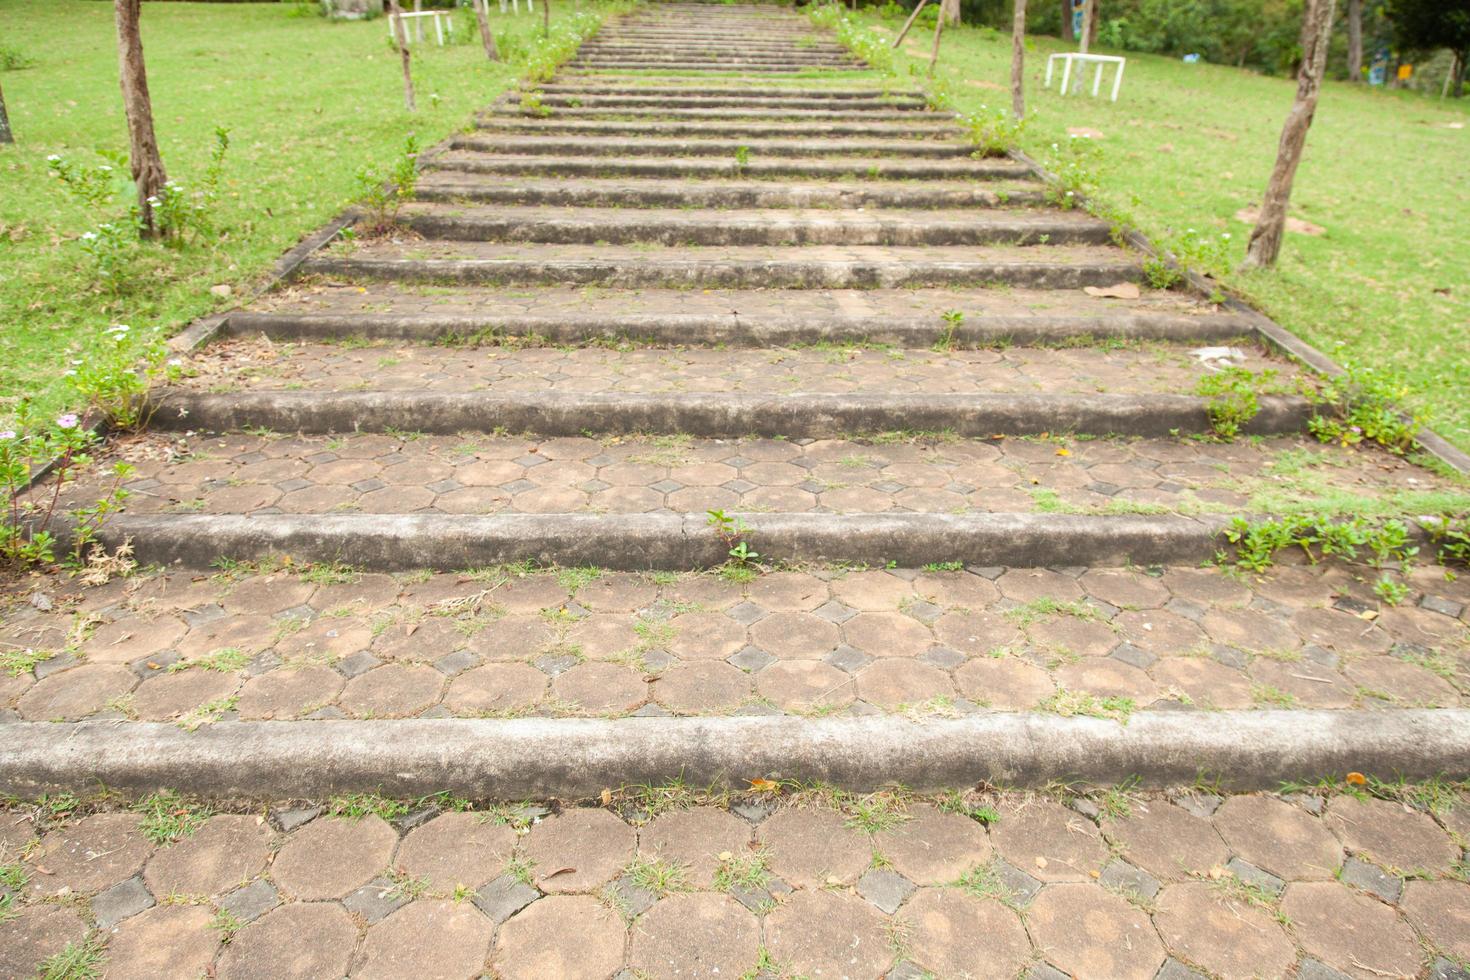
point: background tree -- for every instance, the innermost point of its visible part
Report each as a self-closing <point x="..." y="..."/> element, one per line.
<point x="486" y="38"/>
<point x="145" y="161"/>
<point x="1018" y="61"/>
<point x="1428" y="24"/>
<point x="949" y="11"/>
<point x="5" y="136"/>
<point x="1265" y="241"/>
<point x="1355" y="40"/>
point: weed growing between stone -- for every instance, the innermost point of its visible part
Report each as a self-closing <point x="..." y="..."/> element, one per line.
<point x="384" y="190"/>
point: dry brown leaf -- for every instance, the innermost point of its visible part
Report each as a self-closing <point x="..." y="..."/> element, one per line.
<point x="1122" y="290"/>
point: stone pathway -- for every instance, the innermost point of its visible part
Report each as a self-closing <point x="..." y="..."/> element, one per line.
<point x="717" y="266"/>
<point x="811" y="884"/>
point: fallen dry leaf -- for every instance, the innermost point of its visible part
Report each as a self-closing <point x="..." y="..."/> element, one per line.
<point x="1122" y="290"/>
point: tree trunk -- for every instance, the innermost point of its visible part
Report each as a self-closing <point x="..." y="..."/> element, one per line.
<point x="938" y="30"/>
<point x="545" y="17"/>
<point x="1086" y="39"/>
<point x="1265" y="240"/>
<point x="5" y="136"/>
<point x="949" y="11"/>
<point x="488" y="39"/>
<point x="1457" y="72"/>
<point x="145" y="161"/>
<point x="1068" y="34"/>
<point x="1018" y="61"/>
<point x="1355" y="40"/>
<point x="400" y="34"/>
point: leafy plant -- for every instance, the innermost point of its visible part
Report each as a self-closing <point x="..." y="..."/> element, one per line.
<point x="1257" y="542"/>
<point x="384" y="191"/>
<point x="1233" y="397"/>
<point x="993" y="131"/>
<point x="731" y="530"/>
<point x="1451" y="537"/>
<point x="13" y="58"/>
<point x="167" y="817"/>
<point x="1362" y="405"/>
<point x="1073" y="168"/>
<point x="742" y="158"/>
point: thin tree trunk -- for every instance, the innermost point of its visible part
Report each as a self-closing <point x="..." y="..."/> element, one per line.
<point x="1458" y="72"/>
<point x="146" y="163"/>
<point x="1086" y="38"/>
<point x="938" y="30"/>
<point x="5" y="134"/>
<point x="1355" y="40"/>
<point x="482" y="14"/>
<point x="1018" y="61"/>
<point x="400" y="34"/>
<point x="1265" y="240"/>
<point x="1068" y="34"/>
<point x="949" y="11"/>
<point x="545" y="17"/>
<point x="909" y="23"/>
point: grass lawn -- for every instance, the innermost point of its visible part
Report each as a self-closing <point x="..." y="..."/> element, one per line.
<point x="307" y="102"/>
<point x="1187" y="146"/>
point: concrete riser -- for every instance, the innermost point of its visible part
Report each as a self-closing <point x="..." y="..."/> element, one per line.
<point x="521" y="124"/>
<point x="554" y="414"/>
<point x="743" y="331"/>
<point x="570" y="759"/>
<point x="753" y="195"/>
<point x="731" y="114"/>
<point x="668" y="542"/>
<point x="551" y="145"/>
<point x="714" y="274"/>
<point x="713" y="167"/>
<point x="654" y="230"/>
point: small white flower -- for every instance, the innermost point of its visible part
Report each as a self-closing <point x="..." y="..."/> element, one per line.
<point x="105" y="168"/>
<point x="54" y="158"/>
<point x="89" y="235"/>
<point x="1225" y="235"/>
<point x="175" y="362"/>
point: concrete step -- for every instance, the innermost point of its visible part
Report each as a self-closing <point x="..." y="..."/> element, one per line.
<point x="726" y="56"/>
<point x="860" y="169"/>
<point x="400" y="472"/>
<point x="595" y="192"/>
<point x="621" y="86"/>
<point x="732" y="267"/>
<point x="692" y="66"/>
<point x="919" y="128"/>
<point x="619" y="226"/>
<point x="730" y="318"/>
<point x="614" y="146"/>
<point x="809" y="393"/>
<point x="731" y="113"/>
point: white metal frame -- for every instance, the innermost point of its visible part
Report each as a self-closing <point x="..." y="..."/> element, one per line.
<point x="514" y="5"/>
<point x="1099" y="60"/>
<point x="442" y="20"/>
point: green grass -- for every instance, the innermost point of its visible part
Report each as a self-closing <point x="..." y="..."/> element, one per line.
<point x="1187" y="146"/>
<point x="307" y="102"/>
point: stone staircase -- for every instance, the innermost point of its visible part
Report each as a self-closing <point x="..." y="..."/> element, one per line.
<point x="634" y="298"/>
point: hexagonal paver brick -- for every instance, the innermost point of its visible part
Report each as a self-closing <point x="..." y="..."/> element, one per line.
<point x="897" y="683"/>
<point x="579" y="850"/>
<point x="1278" y="837"/>
<point x="883" y="634"/>
<point x="805" y="685"/>
<point x="1050" y="842"/>
<point x="1226" y="936"/>
<point x="1087" y="931"/>
<point x="533" y="944"/>
<point x="694" y="839"/>
<point x="429" y="939"/>
<point x="702" y="687"/>
<point x="166" y="940"/>
<point x="788" y="591"/>
<point x="932" y="847"/>
<point x="331" y="856"/>
<point x="1031" y="584"/>
<point x="95" y="853"/>
<point x="1124" y="587"/>
<point x="35" y="933"/>
<point x="1440" y="910"/>
<point x="795" y="636"/>
<point x="266" y="595"/>
<point x="132" y="637"/>
<point x="873" y="591"/>
<point x="1166" y="841"/>
<point x="68" y="695"/>
<point x="1407" y="684"/>
<point x="1207" y="683"/>
<point x="976" y="632"/>
<point x="302" y="941"/>
<point x="288" y="692"/>
<point x="1391" y="835"/>
<point x="953" y="934"/>
<point x="456" y="849"/>
<point x="1004" y="682"/>
<point x="809" y="846"/>
<point x="391" y="691"/>
<point x="705" y="636"/>
<point x="601" y="688"/>
<point x="828" y="934"/>
<point x="1353" y="933"/>
<point x="495" y="689"/>
<point x="618" y="592"/>
<point x="695" y="935"/>
<point x="226" y="852"/>
<point x="168" y="695"/>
